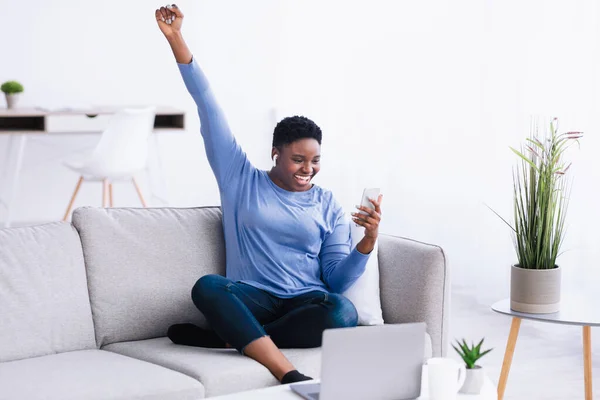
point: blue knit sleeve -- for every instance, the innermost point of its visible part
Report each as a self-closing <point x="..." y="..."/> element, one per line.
<point x="225" y="156"/>
<point x="340" y="265"/>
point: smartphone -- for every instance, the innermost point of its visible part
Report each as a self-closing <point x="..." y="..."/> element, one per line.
<point x="369" y="193"/>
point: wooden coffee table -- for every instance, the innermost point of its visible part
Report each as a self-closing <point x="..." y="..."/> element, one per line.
<point x="283" y="392"/>
<point x="574" y="310"/>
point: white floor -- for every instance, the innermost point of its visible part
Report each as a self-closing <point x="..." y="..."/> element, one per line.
<point x="548" y="360"/>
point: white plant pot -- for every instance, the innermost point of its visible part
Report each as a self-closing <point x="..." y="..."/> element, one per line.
<point x="535" y="291"/>
<point x="473" y="381"/>
<point x="12" y="99"/>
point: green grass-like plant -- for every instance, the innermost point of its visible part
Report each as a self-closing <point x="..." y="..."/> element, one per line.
<point x="540" y="198"/>
<point x="11" y="87"/>
<point x="470" y="355"/>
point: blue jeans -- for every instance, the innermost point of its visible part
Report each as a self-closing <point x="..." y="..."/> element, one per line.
<point x="240" y="313"/>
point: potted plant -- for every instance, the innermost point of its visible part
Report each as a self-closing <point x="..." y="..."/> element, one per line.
<point x="11" y="90"/>
<point x="475" y="374"/>
<point x="540" y="207"/>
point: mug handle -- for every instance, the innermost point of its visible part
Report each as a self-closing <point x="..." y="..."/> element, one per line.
<point x="462" y="375"/>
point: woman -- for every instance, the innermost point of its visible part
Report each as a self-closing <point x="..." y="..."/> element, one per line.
<point x="287" y="241"/>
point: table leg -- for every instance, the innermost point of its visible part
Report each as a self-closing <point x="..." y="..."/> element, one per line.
<point x="14" y="184"/>
<point x="104" y="187"/>
<point x="156" y="174"/>
<point x="6" y="166"/>
<point x="110" y="195"/>
<point x="508" y="355"/>
<point x="587" y="361"/>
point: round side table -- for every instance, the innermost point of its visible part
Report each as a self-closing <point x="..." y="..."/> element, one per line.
<point x="574" y="310"/>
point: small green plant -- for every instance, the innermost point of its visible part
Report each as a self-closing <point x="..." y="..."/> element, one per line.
<point x="10" y="87"/>
<point x="470" y="355"/>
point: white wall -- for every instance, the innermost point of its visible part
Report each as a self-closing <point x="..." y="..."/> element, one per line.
<point x="420" y="98"/>
<point x="73" y="53"/>
<point x="425" y="98"/>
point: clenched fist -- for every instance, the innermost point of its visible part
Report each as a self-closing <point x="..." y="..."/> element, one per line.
<point x="169" y="19"/>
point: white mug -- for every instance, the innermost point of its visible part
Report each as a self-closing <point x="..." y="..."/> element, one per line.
<point x="446" y="376"/>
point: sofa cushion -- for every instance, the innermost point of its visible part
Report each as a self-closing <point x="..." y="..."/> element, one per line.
<point x="221" y="371"/>
<point x="142" y="264"/>
<point x="93" y="374"/>
<point x="44" y="305"/>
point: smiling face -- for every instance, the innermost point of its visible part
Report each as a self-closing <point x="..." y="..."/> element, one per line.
<point x="297" y="163"/>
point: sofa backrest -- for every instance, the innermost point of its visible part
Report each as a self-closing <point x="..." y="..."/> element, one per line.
<point x="142" y="264"/>
<point x="414" y="283"/>
<point x="44" y="304"/>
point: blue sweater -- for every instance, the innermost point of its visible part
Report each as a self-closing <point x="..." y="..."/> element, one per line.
<point x="287" y="243"/>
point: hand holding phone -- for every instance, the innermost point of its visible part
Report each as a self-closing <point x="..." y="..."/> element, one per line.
<point x="369" y="193"/>
<point x="369" y="220"/>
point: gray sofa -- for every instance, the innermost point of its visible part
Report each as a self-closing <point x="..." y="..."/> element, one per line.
<point x="84" y="307"/>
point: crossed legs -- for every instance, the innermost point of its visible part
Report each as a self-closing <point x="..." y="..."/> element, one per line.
<point x="257" y="323"/>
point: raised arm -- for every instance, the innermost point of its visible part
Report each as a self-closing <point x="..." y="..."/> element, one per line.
<point x="170" y="19"/>
<point x="225" y="156"/>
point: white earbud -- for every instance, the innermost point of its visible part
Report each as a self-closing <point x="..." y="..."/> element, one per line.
<point x="275" y="160"/>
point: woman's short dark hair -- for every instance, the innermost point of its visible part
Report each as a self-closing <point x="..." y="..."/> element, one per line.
<point x="294" y="128"/>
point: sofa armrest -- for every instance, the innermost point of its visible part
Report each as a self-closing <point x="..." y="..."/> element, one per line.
<point x="414" y="286"/>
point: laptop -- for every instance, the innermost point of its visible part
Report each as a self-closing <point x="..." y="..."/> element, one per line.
<point x="369" y="362"/>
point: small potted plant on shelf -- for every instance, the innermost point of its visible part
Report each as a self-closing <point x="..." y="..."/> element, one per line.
<point x="475" y="374"/>
<point x="12" y="90"/>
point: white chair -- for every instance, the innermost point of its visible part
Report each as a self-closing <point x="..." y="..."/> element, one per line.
<point x="121" y="152"/>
